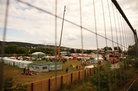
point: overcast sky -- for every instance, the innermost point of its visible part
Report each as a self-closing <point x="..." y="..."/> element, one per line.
<point x="27" y="24"/>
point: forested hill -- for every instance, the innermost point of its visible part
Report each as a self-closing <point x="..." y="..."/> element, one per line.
<point x="28" y="48"/>
<point x="22" y="44"/>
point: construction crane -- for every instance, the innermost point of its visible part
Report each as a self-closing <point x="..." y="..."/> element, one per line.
<point x="61" y="31"/>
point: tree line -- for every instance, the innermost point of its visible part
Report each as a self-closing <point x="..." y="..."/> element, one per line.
<point x="28" y="48"/>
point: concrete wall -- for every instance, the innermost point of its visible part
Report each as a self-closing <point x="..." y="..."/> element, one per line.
<point x="70" y="78"/>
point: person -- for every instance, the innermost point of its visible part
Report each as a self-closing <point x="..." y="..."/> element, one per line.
<point x="24" y="70"/>
<point x="67" y="70"/>
<point x="29" y="72"/>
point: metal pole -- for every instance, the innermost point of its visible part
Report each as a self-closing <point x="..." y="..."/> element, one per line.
<point x="61" y="31"/>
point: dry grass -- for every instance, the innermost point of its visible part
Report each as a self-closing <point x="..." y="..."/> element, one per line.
<point x="15" y="73"/>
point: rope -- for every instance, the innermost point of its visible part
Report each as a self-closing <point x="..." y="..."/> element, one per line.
<point x="55" y="45"/>
<point x="104" y="23"/>
<point x="82" y="43"/>
<point x="120" y="42"/>
<point x="115" y="24"/>
<point x="119" y="27"/>
<point x="132" y="84"/>
<point x="125" y="35"/>
<point x="112" y="38"/>
<point x="110" y="25"/>
<point x="123" y="42"/>
<point x="81" y="27"/>
<point x="3" y="44"/>
<point x="96" y="44"/>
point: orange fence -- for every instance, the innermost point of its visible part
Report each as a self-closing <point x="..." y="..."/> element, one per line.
<point x="70" y="78"/>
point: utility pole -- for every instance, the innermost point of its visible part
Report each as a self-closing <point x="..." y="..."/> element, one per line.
<point x="61" y="31"/>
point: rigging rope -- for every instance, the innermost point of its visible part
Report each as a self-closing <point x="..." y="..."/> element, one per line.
<point x="119" y="28"/>
<point x="81" y="43"/>
<point x="96" y="44"/>
<point x="111" y="37"/>
<point x="122" y="33"/>
<point x="110" y="25"/>
<point x="115" y="25"/>
<point x="104" y="23"/>
<point x="120" y="42"/>
<point x="3" y="44"/>
<point x="123" y="48"/>
<point x="55" y="45"/>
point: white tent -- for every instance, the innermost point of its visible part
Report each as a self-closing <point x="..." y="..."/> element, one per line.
<point x="39" y="67"/>
<point x="38" y="55"/>
<point x="44" y="66"/>
<point x="15" y="62"/>
<point x="24" y="64"/>
<point x="90" y="66"/>
<point x="52" y="67"/>
<point x="6" y="60"/>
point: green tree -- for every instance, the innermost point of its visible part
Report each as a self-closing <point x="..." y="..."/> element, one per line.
<point x="132" y="50"/>
<point x="118" y="48"/>
<point x="23" y="50"/>
<point x="107" y="48"/>
<point x="78" y="51"/>
<point x="72" y="51"/>
<point x="10" y="49"/>
<point x="13" y="48"/>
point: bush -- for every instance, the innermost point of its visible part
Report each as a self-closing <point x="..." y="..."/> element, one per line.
<point x="110" y="79"/>
<point x="20" y="87"/>
<point x="8" y="85"/>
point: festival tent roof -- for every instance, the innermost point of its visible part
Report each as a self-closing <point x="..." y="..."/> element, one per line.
<point x="24" y="64"/>
<point x="90" y="66"/>
<point x="15" y="62"/>
<point x="37" y="53"/>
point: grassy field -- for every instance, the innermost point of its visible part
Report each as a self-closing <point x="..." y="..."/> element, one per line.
<point x="18" y="78"/>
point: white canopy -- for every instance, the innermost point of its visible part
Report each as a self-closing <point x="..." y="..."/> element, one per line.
<point x="36" y="53"/>
<point x="15" y="62"/>
<point x="90" y="66"/>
